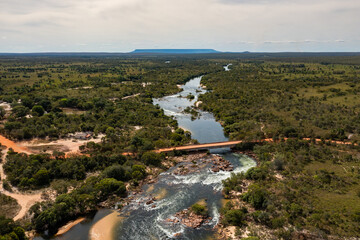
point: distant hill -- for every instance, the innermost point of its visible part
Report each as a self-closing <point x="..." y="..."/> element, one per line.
<point x="175" y="51"/>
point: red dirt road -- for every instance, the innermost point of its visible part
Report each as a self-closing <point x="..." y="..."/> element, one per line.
<point x="11" y="144"/>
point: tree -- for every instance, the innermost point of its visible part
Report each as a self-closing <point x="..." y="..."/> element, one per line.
<point x="151" y="158"/>
<point x="42" y="177"/>
<point x="235" y="217"/>
<point x="2" y="112"/>
<point x="117" y="172"/>
<point x="138" y="172"/>
<point x="20" y="111"/>
<point x="109" y="186"/>
<point x="38" y="110"/>
<point x="257" y="196"/>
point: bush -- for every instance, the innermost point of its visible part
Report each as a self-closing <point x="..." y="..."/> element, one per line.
<point x="199" y="209"/>
<point x="251" y="238"/>
<point x="278" y="164"/>
<point x="235" y="217"/>
<point x="38" y="110"/>
<point x="277" y="222"/>
<point x="256" y="173"/>
<point x="116" y="171"/>
<point x="256" y="196"/>
<point x="138" y="172"/>
<point x="261" y="217"/>
<point x="7" y="186"/>
<point x="151" y="158"/>
<point x="109" y="186"/>
<point x="10" y="230"/>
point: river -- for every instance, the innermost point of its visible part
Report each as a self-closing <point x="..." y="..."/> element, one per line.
<point x="175" y="192"/>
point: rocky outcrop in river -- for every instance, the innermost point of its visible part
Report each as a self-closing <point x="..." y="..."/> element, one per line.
<point x="189" y="218"/>
<point x="220" y="164"/>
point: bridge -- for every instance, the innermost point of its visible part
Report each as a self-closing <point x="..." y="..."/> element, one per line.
<point x="198" y="147"/>
<point x="205" y="146"/>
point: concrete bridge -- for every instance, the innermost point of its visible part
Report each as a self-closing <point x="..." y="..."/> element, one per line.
<point x="198" y="147"/>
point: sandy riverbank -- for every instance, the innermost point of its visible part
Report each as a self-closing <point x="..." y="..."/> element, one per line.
<point x="68" y="226"/>
<point x="104" y="228"/>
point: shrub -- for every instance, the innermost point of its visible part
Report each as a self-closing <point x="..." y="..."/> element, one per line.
<point x="251" y="238"/>
<point x="235" y="217"/>
<point x="199" y="209"/>
<point x="116" y="171"/>
<point x="278" y="164"/>
<point x="256" y="196"/>
<point x="277" y="222"/>
<point x="38" y="110"/>
<point x="256" y="173"/>
<point x="151" y="158"/>
<point x="261" y="217"/>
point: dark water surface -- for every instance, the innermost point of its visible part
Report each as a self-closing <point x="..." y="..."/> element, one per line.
<point x="176" y="193"/>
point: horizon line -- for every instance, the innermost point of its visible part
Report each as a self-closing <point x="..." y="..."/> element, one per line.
<point x="132" y="52"/>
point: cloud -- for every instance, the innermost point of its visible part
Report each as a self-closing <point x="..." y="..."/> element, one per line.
<point x="121" y="25"/>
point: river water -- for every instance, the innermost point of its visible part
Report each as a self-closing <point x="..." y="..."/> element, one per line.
<point x="175" y="192"/>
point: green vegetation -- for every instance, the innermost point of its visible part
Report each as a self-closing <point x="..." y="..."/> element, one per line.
<point x="52" y="97"/>
<point x="8" y="206"/>
<point x="315" y="189"/>
<point x="297" y="185"/>
<point x="268" y="99"/>
<point x="10" y="230"/>
<point x="51" y="215"/>
<point x="199" y="209"/>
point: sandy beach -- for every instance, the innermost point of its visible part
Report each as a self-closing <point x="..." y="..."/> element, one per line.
<point x="104" y="228"/>
<point x="68" y="226"/>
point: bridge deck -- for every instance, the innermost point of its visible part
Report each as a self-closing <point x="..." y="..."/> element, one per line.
<point x="233" y="143"/>
<point x="200" y="146"/>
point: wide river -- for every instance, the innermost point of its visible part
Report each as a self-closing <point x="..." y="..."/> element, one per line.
<point x="139" y="220"/>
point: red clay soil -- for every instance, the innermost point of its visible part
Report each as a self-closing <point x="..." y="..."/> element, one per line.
<point x="11" y="144"/>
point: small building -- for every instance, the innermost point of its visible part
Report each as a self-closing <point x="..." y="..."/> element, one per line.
<point x="82" y="135"/>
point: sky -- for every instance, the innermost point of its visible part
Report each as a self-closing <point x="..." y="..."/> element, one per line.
<point x="224" y="25"/>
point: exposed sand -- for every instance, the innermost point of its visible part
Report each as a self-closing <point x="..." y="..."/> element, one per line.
<point x="131" y="96"/>
<point x="161" y="194"/>
<point x="104" y="228"/>
<point x="68" y="226"/>
<point x="25" y="201"/>
<point x="67" y="145"/>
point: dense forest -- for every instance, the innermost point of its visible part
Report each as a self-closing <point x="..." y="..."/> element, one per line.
<point x="297" y="185"/>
